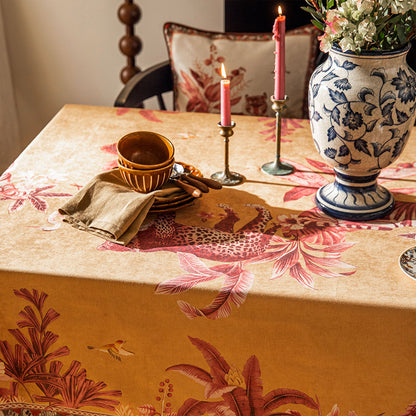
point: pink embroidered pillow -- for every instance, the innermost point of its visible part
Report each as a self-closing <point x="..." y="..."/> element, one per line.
<point x="196" y="57"/>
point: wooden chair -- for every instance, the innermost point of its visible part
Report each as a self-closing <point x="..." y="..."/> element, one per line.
<point x="153" y="82"/>
<point x="241" y="16"/>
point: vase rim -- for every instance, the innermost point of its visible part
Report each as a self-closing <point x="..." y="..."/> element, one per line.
<point x="369" y="54"/>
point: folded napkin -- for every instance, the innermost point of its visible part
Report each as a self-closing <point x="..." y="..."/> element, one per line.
<point x="109" y="208"/>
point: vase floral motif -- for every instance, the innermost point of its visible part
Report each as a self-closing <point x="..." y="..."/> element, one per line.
<point x="361" y="109"/>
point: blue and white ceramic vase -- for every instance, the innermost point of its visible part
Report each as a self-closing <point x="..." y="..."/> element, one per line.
<point x="361" y="109"/>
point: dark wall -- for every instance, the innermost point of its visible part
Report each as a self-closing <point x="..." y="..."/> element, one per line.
<point x="258" y="15"/>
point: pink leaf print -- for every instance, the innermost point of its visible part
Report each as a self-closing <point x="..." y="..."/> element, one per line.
<point x="198" y="273"/>
<point x="147" y="409"/>
<point x="197" y="374"/>
<point x="110" y="148"/>
<point x="404" y="213"/>
<point x="252" y="377"/>
<point x="286" y="260"/>
<point x="189" y="310"/>
<point x="321" y="166"/>
<point x="191" y="263"/>
<point x="28" y="191"/>
<point x="200" y="376"/>
<point x="297" y="193"/>
<point x="235" y="289"/>
<point x="192" y="407"/>
<point x="302" y="276"/>
<point x="411" y="410"/>
<point x="279" y="397"/>
<point x="309" y="182"/>
<point x="150" y="115"/>
<point x="38" y="203"/>
<point x="182" y="283"/>
<point x="287" y="128"/>
<point x="5" y="176"/>
<point x="17" y="205"/>
<point x="122" y="110"/>
<point x="197" y="101"/>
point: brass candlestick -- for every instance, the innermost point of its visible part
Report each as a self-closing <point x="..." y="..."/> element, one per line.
<point x="227" y="177"/>
<point x="278" y="168"/>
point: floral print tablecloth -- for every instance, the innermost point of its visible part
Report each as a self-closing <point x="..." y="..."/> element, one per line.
<point x="248" y="302"/>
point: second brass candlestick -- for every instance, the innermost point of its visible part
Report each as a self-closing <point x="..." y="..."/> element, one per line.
<point x="226" y="177"/>
<point x="277" y="167"/>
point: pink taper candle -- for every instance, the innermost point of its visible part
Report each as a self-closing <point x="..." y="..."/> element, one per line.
<point x="279" y="30"/>
<point x="225" y="99"/>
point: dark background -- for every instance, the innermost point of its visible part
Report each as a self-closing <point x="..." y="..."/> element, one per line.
<point x="259" y="15"/>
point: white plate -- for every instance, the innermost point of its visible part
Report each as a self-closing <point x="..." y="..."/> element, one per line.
<point x="407" y="262"/>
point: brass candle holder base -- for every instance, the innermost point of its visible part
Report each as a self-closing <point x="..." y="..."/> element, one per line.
<point x="278" y="168"/>
<point x="227" y="177"/>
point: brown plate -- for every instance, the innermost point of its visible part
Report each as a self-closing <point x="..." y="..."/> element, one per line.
<point x="180" y="199"/>
<point x="173" y="206"/>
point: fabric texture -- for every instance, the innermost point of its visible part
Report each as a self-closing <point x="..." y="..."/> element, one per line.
<point x="250" y="286"/>
<point x="196" y="57"/>
<point x="107" y="207"/>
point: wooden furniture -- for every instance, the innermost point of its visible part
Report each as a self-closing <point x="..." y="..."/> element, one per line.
<point x="239" y="16"/>
<point x="130" y="45"/>
<point x="152" y="82"/>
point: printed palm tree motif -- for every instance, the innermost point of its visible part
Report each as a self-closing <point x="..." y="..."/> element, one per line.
<point x="202" y="84"/>
<point x="241" y="392"/>
<point x="32" y="361"/>
<point x="32" y="189"/>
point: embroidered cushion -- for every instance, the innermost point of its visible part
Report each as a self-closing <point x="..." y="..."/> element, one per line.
<point x="196" y="58"/>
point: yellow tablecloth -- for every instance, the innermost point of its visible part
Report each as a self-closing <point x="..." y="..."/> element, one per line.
<point x="248" y="302"/>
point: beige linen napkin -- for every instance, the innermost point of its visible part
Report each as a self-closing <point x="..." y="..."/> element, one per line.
<point x="109" y="208"/>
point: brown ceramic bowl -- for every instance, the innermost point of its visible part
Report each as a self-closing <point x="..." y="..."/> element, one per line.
<point x="147" y="180"/>
<point x="145" y="150"/>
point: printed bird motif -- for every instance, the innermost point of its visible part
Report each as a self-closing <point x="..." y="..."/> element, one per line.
<point x="115" y="350"/>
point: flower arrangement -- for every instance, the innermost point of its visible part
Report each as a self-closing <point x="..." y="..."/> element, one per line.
<point x="362" y="25"/>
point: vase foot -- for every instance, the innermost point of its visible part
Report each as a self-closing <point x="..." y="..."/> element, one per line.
<point x="363" y="200"/>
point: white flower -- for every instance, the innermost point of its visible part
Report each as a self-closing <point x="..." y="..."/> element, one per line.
<point x="347" y="44"/>
<point x="367" y="30"/>
<point x="399" y="6"/>
<point x="365" y="6"/>
<point x="359" y="25"/>
<point x="325" y="42"/>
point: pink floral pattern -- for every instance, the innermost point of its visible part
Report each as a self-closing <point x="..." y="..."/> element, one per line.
<point x="31" y="189"/>
<point x="202" y="84"/>
<point x="310" y="245"/>
<point x="34" y="360"/>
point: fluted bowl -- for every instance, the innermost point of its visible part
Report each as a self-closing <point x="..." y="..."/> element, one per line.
<point x="145" y="150"/>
